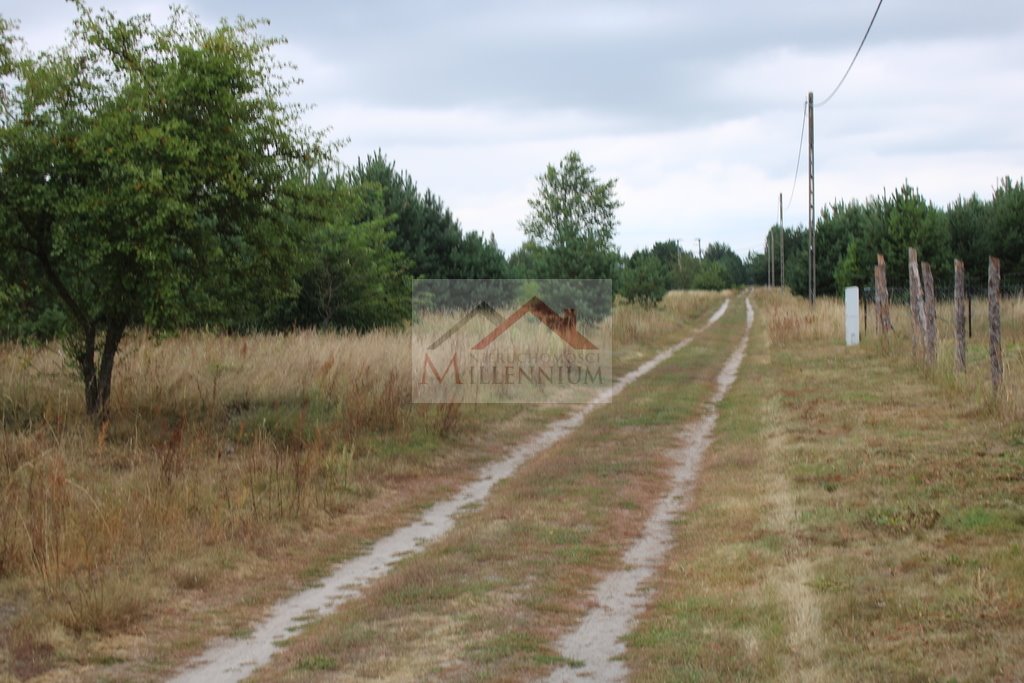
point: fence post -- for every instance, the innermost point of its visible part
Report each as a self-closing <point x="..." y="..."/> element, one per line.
<point x="958" y="328"/>
<point x="995" y="343"/>
<point x="864" y="305"/>
<point x="970" y="314"/>
<point x="916" y="303"/>
<point x="929" y="313"/>
<point x="882" y="297"/>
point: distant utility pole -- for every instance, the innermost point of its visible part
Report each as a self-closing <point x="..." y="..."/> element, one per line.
<point x="782" y="246"/>
<point x="812" y="276"/>
<point x="700" y="254"/>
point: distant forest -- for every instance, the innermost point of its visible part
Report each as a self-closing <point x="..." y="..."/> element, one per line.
<point x="849" y="235"/>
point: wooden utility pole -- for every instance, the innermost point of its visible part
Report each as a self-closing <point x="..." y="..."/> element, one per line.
<point x="700" y="254"/>
<point x="812" y="278"/>
<point x="782" y="246"/>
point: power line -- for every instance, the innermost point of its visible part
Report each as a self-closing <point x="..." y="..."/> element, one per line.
<point x="799" y="156"/>
<point x="856" y="54"/>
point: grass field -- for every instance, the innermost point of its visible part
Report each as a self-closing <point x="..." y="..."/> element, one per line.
<point x="232" y="470"/>
<point x="858" y="518"/>
<point x="487" y="601"/>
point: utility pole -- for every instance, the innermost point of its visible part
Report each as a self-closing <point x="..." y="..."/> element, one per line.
<point x="700" y="254"/>
<point x="782" y="246"/>
<point x="812" y="277"/>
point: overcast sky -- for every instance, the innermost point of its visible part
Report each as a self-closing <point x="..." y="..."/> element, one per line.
<point x="694" y="106"/>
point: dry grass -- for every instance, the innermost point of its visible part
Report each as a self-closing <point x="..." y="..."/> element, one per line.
<point x="792" y="320"/>
<point x="858" y="519"/>
<point x="974" y="386"/>
<point x="487" y="601"/>
<point x="230" y="466"/>
<point x="640" y="326"/>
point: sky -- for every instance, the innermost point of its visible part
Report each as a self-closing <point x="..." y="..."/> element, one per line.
<point x="695" y="107"/>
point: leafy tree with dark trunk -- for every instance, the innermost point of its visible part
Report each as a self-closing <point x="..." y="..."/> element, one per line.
<point x="145" y="173"/>
<point x="572" y="218"/>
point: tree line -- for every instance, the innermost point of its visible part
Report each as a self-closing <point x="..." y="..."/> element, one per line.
<point x="159" y="177"/>
<point x="850" y="234"/>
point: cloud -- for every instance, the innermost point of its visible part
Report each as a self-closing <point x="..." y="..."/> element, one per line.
<point x="694" y="106"/>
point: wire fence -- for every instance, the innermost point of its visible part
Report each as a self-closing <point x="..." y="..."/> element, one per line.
<point x="976" y="297"/>
<point x="1011" y="286"/>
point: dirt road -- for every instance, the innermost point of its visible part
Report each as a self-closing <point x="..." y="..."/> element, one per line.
<point x="645" y="422"/>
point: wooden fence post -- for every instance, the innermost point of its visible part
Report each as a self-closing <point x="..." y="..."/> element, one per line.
<point x="916" y="303"/>
<point x="995" y="343"/>
<point x="882" y="297"/>
<point x="929" y="314"/>
<point x="959" y="330"/>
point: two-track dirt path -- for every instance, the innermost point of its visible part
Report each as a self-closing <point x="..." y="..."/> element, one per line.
<point x="234" y="660"/>
<point x="596" y="645"/>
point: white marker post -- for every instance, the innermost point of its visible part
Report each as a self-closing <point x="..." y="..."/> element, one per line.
<point x="852" y="316"/>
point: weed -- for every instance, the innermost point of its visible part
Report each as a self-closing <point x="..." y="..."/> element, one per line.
<point x="101" y="603"/>
<point x="317" y="663"/>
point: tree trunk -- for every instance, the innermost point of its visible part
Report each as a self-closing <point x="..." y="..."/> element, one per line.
<point x="87" y="366"/>
<point x="110" y="345"/>
<point x="97" y="380"/>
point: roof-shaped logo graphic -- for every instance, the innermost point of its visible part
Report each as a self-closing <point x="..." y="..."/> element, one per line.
<point x="562" y="325"/>
<point x="482" y="309"/>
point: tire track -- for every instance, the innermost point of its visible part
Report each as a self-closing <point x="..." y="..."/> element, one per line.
<point x="620" y="597"/>
<point x="231" y="660"/>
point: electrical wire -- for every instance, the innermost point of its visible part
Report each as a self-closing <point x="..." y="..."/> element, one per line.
<point x="799" y="156"/>
<point x="856" y="54"/>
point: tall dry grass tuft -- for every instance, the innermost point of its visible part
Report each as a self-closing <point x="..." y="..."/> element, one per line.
<point x="792" y="320"/>
<point x="638" y="325"/>
<point x="212" y="440"/>
<point x="216" y="446"/>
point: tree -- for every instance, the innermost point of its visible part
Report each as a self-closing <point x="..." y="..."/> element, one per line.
<point x="755" y="268"/>
<point x="910" y="221"/>
<point x="146" y="173"/>
<point x="712" y="275"/>
<point x="681" y="265"/>
<point x="425" y="229"/>
<point x="1006" y="230"/>
<point x="732" y="265"/>
<point x="644" y="279"/>
<point x="969" y="221"/>
<point x="572" y="217"/>
<point x="351" y="277"/>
